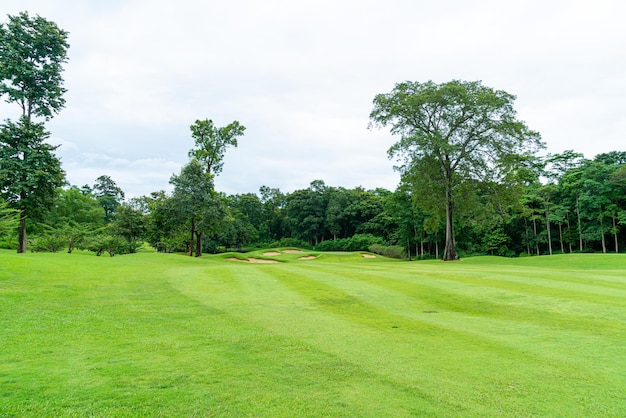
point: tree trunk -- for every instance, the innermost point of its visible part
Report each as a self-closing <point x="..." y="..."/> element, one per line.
<point x="449" y="252"/>
<point x="580" y="229"/>
<point x="615" y="235"/>
<point x="193" y="230"/>
<point x="199" y="237"/>
<point x="569" y="235"/>
<point x="536" y="237"/>
<point x="549" y="234"/>
<point x="602" y="235"/>
<point x="561" y="238"/>
<point x="527" y="234"/>
<point x="21" y="241"/>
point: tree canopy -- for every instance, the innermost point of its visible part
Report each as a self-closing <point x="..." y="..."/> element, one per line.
<point x="32" y="53"/>
<point x="454" y="132"/>
<point x="211" y="143"/>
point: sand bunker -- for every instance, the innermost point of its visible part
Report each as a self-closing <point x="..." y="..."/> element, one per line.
<point x="368" y="256"/>
<point x="292" y="251"/>
<point x="310" y="257"/>
<point x="253" y="260"/>
<point x="271" y="253"/>
<point x="261" y="261"/>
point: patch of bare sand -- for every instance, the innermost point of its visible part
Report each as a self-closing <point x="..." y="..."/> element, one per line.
<point x="309" y="257"/>
<point x="261" y="261"/>
<point x="237" y="259"/>
<point x="253" y="260"/>
<point x="271" y="253"/>
<point x="368" y="256"/>
<point x="292" y="251"/>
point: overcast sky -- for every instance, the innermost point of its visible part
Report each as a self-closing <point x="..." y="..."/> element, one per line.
<point x="301" y="76"/>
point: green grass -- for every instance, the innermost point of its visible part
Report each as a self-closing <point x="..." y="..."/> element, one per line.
<point x="168" y="335"/>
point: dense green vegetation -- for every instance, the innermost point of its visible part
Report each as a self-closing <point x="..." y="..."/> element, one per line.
<point x="334" y="329"/>
<point x="578" y="207"/>
<point x="165" y="335"/>
<point x="471" y="181"/>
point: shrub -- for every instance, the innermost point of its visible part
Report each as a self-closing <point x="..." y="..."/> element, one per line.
<point x="377" y="249"/>
<point x="332" y="245"/>
<point x="361" y="242"/>
<point x="358" y="242"/>
<point x="47" y="243"/>
<point x="291" y="242"/>
<point x="394" y="251"/>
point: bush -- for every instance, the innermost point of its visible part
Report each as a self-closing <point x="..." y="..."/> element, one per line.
<point x="291" y="242"/>
<point x="332" y="245"/>
<point x="392" y="251"/>
<point x="361" y="242"/>
<point x="358" y="242"/>
<point x="47" y="243"/>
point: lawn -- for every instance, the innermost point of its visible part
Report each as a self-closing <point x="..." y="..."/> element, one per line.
<point x="339" y="335"/>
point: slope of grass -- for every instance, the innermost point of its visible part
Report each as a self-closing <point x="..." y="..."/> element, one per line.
<point x="339" y="335"/>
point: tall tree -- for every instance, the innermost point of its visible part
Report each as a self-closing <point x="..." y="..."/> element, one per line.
<point x="467" y="130"/>
<point x="29" y="171"/>
<point x="273" y="204"/>
<point x="109" y="195"/>
<point x="196" y="203"/>
<point x="211" y="143"/>
<point x="32" y="53"/>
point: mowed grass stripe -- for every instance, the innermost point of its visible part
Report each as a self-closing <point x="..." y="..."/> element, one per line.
<point x="261" y="300"/>
<point x="359" y="345"/>
<point x="153" y="334"/>
<point x="568" y="339"/>
<point x="361" y="322"/>
<point x="433" y="291"/>
<point x="158" y="352"/>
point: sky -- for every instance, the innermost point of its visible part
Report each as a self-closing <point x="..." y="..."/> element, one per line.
<point x="301" y="77"/>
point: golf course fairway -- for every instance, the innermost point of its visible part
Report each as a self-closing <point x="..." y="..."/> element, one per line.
<point x="306" y="334"/>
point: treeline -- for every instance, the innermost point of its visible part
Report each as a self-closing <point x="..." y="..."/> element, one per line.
<point x="562" y="203"/>
<point x="471" y="181"/>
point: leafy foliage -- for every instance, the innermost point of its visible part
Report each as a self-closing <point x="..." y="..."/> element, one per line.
<point x="32" y="54"/>
<point x="211" y="143"/>
<point x="452" y="133"/>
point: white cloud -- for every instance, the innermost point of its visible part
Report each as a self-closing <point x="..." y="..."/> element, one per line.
<point x="301" y="77"/>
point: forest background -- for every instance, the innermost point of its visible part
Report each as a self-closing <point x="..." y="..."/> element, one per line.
<point x="555" y="203"/>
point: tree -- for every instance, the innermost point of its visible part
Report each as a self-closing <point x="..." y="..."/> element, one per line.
<point x="73" y="217"/>
<point x="109" y="195"/>
<point x="196" y="202"/>
<point x="466" y="130"/>
<point x="32" y="53"/>
<point x="8" y="218"/>
<point x="211" y="143"/>
<point x="29" y="171"/>
<point x="273" y="202"/>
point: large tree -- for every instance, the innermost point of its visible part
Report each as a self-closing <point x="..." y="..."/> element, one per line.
<point x="211" y="143"/>
<point x="29" y="171"/>
<point x="458" y="131"/>
<point x="32" y="53"/>
<point x="109" y="195"/>
<point x="196" y="204"/>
